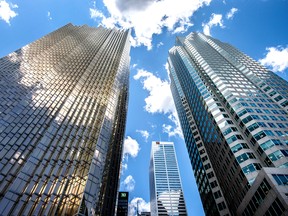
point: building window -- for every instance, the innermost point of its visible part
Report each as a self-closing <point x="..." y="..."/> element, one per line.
<point x="285" y="103"/>
<point x="270" y="143"/>
<point x="210" y="175"/>
<point x="258" y="198"/>
<point x="202" y="151"/>
<point x="204" y="158"/>
<point x="234" y="138"/>
<point x="214" y="184"/>
<point x="279" y="133"/>
<point x="239" y="146"/>
<point x="281" y="179"/>
<point x="253" y="127"/>
<point x="251" y="168"/>
<point x="280" y="125"/>
<point x="272" y="125"/>
<point x="217" y="194"/>
<point x="276" y="155"/>
<point x="221" y="206"/>
<point x="229" y="130"/>
<point x="278" y="98"/>
<point x="245" y="156"/>
<point x="276" y="208"/>
<point x="262" y="124"/>
<point x="259" y="135"/>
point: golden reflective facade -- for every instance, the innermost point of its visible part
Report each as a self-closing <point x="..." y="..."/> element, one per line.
<point x="63" y="105"/>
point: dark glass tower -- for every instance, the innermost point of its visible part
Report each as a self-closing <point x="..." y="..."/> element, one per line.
<point x="123" y="203"/>
<point x="233" y="114"/>
<point x="63" y="104"/>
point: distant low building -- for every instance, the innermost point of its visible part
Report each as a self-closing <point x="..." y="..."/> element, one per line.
<point x="122" y="207"/>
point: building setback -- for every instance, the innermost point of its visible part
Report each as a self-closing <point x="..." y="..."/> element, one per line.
<point x="166" y="195"/>
<point x="233" y="114"/>
<point x="63" y="104"/>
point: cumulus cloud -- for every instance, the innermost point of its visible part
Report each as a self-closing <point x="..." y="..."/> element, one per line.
<point x="49" y="15"/>
<point x="94" y="14"/>
<point x="215" y="20"/>
<point x="6" y="11"/>
<point x="131" y="147"/>
<point x="124" y="166"/>
<point x="160" y="44"/>
<point x="144" y="134"/>
<point x="139" y="203"/>
<point x="134" y="66"/>
<point x="159" y="99"/>
<point x="149" y="17"/>
<point x="169" y="129"/>
<point x="276" y="59"/>
<point x="128" y="184"/>
<point x="231" y="13"/>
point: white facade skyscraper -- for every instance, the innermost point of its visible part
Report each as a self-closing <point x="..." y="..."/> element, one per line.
<point x="166" y="195"/>
<point x="233" y="114"/>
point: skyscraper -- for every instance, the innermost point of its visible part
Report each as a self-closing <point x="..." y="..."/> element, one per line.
<point x="166" y="195"/>
<point x="233" y="114"/>
<point x="63" y="104"/>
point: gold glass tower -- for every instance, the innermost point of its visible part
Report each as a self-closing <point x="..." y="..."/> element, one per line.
<point x="63" y="105"/>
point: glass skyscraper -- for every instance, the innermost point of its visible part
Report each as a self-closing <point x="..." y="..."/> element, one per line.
<point x="166" y="195"/>
<point x="63" y="104"/>
<point x="233" y="114"/>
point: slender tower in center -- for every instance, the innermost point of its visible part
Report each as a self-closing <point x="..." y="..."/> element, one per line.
<point x="166" y="192"/>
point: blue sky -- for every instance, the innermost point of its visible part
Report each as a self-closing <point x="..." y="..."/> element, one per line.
<point x="258" y="28"/>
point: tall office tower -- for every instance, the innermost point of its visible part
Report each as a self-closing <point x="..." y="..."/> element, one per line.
<point x="166" y="195"/>
<point x="233" y="114"/>
<point x="63" y="104"/>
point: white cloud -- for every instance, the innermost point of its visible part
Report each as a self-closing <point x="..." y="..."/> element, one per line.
<point x="148" y="18"/>
<point x="131" y="147"/>
<point x="139" y="203"/>
<point x="94" y="14"/>
<point x="231" y="13"/>
<point x="169" y="129"/>
<point x="215" y="20"/>
<point x="49" y="15"/>
<point x="160" y="99"/>
<point x="166" y="66"/>
<point x="134" y="66"/>
<point x="128" y="184"/>
<point x="6" y="12"/>
<point x="160" y="44"/>
<point x="276" y="59"/>
<point x="124" y="166"/>
<point x="144" y="134"/>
